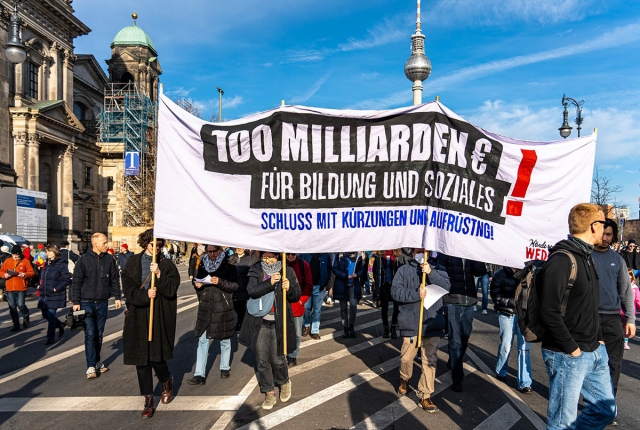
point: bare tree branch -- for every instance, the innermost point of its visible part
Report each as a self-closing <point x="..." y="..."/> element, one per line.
<point x="603" y="191"/>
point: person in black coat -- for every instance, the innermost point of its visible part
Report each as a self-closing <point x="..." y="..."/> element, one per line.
<point x="384" y="269"/>
<point x="406" y="291"/>
<point x="54" y="279"/>
<point x="151" y="356"/>
<point x="348" y="269"/>
<point x="215" y="310"/>
<point x="262" y="329"/>
<point x="194" y="261"/>
<point x="243" y="262"/>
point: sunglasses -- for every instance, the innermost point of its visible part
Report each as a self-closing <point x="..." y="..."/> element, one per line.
<point x="598" y="222"/>
<point x="213" y="251"/>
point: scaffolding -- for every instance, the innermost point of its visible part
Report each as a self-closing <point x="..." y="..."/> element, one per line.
<point x="128" y="123"/>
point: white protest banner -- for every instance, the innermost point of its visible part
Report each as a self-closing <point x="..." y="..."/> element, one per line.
<point x="302" y="179"/>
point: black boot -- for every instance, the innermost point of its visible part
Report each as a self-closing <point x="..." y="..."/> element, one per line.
<point x="394" y="333"/>
<point x="352" y="331"/>
<point x="26" y="322"/>
<point x="16" y="327"/>
<point x="385" y="332"/>
<point x="345" y="334"/>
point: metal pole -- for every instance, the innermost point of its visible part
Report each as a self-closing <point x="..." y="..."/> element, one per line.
<point x="153" y="287"/>
<point x="422" y="285"/>
<point x="284" y="303"/>
<point x="220" y="104"/>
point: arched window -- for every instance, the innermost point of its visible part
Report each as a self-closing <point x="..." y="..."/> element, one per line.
<point x="126" y="78"/>
<point x="80" y="111"/>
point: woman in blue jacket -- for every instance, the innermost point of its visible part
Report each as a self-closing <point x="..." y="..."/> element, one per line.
<point x="349" y="270"/>
<point x="54" y="279"/>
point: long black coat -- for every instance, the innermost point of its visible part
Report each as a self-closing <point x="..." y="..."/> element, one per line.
<point x="138" y="351"/>
<point x="215" y="311"/>
<point x="251" y="325"/>
<point x="242" y="269"/>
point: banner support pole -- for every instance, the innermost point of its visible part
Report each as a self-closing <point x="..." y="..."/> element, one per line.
<point x="153" y="287"/>
<point x="284" y="303"/>
<point x="424" y="280"/>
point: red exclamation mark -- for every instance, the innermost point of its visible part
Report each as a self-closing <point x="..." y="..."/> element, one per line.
<point x="529" y="159"/>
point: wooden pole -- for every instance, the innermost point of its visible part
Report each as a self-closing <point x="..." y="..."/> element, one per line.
<point x="284" y="303"/>
<point x="424" y="280"/>
<point x="153" y="287"/>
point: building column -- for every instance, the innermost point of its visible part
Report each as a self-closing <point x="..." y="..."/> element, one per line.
<point x="20" y="158"/>
<point x="34" y="161"/>
<point x="66" y="186"/>
<point x="55" y="70"/>
<point x="67" y="77"/>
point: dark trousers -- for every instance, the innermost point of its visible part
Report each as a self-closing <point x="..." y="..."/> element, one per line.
<point x="94" y="329"/>
<point x="272" y="367"/>
<point x="15" y="300"/>
<point x="54" y="322"/>
<point x="460" y="326"/>
<point x="145" y="375"/>
<point x="240" y="306"/>
<point x="613" y="334"/>
<point x="385" y="298"/>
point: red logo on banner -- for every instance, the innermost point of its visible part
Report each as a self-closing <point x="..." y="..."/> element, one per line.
<point x="529" y="159"/>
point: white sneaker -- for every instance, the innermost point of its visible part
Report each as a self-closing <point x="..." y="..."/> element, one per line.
<point x="626" y="345"/>
<point x="475" y="308"/>
<point x="91" y="373"/>
<point x="101" y="368"/>
<point x="484" y="312"/>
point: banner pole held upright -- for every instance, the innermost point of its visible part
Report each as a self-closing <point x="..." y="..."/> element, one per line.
<point x="424" y="280"/>
<point x="153" y="287"/>
<point x="284" y="303"/>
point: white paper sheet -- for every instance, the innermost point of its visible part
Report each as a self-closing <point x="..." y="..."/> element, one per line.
<point x="206" y="281"/>
<point x="434" y="293"/>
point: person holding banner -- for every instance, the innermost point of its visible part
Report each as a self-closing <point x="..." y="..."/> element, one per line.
<point x="407" y="292"/>
<point x="262" y="329"/>
<point x="150" y="356"/>
<point x="348" y="270"/>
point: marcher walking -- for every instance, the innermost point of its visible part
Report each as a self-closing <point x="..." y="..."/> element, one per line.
<point x="17" y="271"/>
<point x="303" y="275"/>
<point x="384" y="270"/>
<point x="347" y="289"/>
<point x="149" y="357"/>
<point x="242" y="262"/>
<point x="53" y="291"/>
<point x="320" y="265"/>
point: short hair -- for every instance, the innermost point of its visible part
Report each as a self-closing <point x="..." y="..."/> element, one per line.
<point x="581" y="216"/>
<point x="54" y="249"/>
<point x="146" y="237"/>
<point x="608" y="222"/>
<point x="64" y="243"/>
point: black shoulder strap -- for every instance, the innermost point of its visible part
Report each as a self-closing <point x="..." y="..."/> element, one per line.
<point x="573" y="276"/>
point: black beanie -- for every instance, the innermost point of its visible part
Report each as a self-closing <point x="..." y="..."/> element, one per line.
<point x="16" y="250"/>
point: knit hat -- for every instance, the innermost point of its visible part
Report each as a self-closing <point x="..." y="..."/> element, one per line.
<point x="110" y="251"/>
<point x="125" y="246"/>
<point x="630" y="241"/>
<point x="15" y="249"/>
<point x="40" y="246"/>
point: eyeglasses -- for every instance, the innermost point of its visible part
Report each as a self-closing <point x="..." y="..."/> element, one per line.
<point x="598" y="222"/>
<point x="212" y="252"/>
<point x="268" y="258"/>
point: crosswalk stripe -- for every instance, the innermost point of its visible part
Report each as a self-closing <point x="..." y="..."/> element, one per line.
<point x="335" y="334"/>
<point x="504" y="418"/>
<point x="321" y="397"/>
<point x="117" y="403"/>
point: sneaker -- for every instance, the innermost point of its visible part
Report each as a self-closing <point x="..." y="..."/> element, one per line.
<point x="197" y="380"/>
<point x="457" y="387"/>
<point x="475" y="308"/>
<point x="501" y="378"/>
<point x="428" y="405"/>
<point x="315" y="336"/>
<point x="292" y="361"/>
<point x="91" y="373"/>
<point x="224" y="374"/>
<point x="269" y="401"/>
<point x="525" y="390"/>
<point x="101" y="368"/>
<point x="446" y="336"/>
<point x="305" y="330"/>
<point x="484" y="312"/>
<point x="403" y="387"/>
<point x="626" y="345"/>
<point x="285" y="392"/>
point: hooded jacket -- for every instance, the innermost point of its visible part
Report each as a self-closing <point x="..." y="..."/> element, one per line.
<point x="405" y="290"/>
<point x="463" y="286"/>
<point x="580" y="327"/>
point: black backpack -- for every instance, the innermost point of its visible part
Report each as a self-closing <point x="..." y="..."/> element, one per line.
<point x="526" y="298"/>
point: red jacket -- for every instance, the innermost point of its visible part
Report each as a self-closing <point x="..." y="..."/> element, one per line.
<point x="16" y="283"/>
<point x="306" y="285"/>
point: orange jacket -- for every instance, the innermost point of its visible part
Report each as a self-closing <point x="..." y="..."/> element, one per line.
<point x="16" y="283"/>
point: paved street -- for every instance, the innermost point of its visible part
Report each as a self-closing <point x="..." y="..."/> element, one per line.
<point x="337" y="384"/>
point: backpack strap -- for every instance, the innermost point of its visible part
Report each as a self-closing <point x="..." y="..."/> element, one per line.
<point x="573" y="276"/>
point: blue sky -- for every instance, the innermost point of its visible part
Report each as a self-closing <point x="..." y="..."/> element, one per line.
<point x="501" y="64"/>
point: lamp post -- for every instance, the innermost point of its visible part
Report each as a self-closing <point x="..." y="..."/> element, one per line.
<point x="565" y="130"/>
<point x="14" y="49"/>
<point x="220" y="105"/>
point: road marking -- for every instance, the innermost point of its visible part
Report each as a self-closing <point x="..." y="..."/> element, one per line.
<point x="323" y="396"/>
<point x="59" y="357"/>
<point x="404" y="405"/>
<point x="117" y="403"/>
<point x="517" y="401"/>
<point x="335" y="334"/>
<point x="504" y="418"/>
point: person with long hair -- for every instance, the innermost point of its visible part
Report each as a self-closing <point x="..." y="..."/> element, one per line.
<point x="149" y="357"/>
<point x="54" y="279"/>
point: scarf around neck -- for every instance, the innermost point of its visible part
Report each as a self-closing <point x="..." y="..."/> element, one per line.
<point x="211" y="265"/>
<point x="271" y="269"/>
<point x="583" y="246"/>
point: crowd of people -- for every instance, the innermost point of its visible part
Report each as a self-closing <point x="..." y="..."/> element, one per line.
<point x="587" y="293"/>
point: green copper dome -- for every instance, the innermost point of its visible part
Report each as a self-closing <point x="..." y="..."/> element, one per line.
<point x="133" y="36"/>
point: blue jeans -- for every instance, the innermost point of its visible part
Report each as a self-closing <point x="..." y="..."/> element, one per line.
<point x="349" y="317"/>
<point x="203" y="355"/>
<point x="460" y="326"/>
<point x="94" y="329"/>
<point x="571" y="376"/>
<point x="509" y="328"/>
<point x="483" y="281"/>
<point x="297" y="322"/>
<point x="15" y="300"/>
<point x="314" y="304"/>
<point x="54" y="322"/>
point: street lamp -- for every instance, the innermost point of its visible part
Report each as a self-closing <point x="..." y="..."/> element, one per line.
<point x="220" y="106"/>
<point x="565" y="130"/>
<point x="14" y="49"/>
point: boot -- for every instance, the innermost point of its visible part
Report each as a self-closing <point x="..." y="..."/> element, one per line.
<point x="26" y="322"/>
<point x="167" y="391"/>
<point x="16" y="327"/>
<point x="394" y="333"/>
<point x="345" y="334"/>
<point x="352" y="331"/>
<point x="404" y="387"/>
<point x="149" y="406"/>
<point x="385" y="332"/>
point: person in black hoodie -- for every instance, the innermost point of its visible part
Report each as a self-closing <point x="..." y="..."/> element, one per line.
<point x="95" y="278"/>
<point x="460" y="304"/>
<point x="243" y="263"/>
<point x="406" y="291"/>
<point x="503" y="292"/>
<point x="572" y="345"/>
